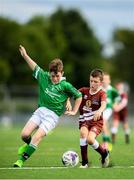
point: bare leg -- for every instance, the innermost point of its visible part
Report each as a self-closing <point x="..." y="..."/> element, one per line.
<point x="94" y="143"/>
<point x="27" y="131"/>
<point x="38" y="136"/>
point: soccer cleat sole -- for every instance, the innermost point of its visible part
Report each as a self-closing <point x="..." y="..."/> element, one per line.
<point x="18" y="164"/>
<point x="15" y="165"/>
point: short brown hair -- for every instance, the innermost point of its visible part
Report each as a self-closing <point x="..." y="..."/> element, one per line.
<point x="97" y="73"/>
<point x="56" y="66"/>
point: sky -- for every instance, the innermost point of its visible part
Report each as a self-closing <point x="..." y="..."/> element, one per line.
<point x="102" y="15"/>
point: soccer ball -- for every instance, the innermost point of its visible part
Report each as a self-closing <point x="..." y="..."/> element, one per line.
<point x="70" y="158"/>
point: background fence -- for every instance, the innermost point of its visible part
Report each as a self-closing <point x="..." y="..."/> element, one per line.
<point x="17" y="104"/>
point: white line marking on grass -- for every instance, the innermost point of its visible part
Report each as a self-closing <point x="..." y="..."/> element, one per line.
<point x="36" y="168"/>
<point x="60" y="167"/>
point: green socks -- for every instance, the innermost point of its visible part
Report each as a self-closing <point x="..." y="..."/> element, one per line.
<point x="106" y="138"/>
<point x="28" y="152"/>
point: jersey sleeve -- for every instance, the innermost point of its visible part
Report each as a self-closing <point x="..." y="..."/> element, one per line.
<point x="82" y="90"/>
<point x="103" y="96"/>
<point x="39" y="73"/>
<point x="72" y="91"/>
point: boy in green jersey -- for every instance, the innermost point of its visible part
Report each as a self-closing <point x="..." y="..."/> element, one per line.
<point x="113" y="97"/>
<point x="53" y="93"/>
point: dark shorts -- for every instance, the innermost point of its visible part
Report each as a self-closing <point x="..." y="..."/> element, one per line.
<point x="95" y="126"/>
<point x="120" y="116"/>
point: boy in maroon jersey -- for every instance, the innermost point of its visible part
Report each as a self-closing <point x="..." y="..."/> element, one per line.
<point x="91" y="120"/>
<point x="120" y="113"/>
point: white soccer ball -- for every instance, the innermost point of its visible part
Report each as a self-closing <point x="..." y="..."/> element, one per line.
<point x="70" y="158"/>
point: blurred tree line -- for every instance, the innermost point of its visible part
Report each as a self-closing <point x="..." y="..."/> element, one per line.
<point x="64" y="34"/>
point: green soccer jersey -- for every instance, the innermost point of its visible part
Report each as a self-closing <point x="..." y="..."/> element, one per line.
<point x="112" y="96"/>
<point x="53" y="96"/>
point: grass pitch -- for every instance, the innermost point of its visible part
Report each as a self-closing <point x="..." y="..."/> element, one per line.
<point x="46" y="163"/>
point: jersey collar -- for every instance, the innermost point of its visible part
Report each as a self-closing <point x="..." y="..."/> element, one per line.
<point x="96" y="91"/>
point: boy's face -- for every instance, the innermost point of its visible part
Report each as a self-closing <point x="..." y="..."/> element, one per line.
<point x="56" y="77"/>
<point x="120" y="87"/>
<point x="95" y="83"/>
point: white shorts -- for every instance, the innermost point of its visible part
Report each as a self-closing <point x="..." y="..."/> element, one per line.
<point x="45" y="119"/>
<point x="107" y="114"/>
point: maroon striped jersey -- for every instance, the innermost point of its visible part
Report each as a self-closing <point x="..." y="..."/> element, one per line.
<point x="90" y="103"/>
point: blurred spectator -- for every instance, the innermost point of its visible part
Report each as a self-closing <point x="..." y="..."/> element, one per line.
<point x="120" y="114"/>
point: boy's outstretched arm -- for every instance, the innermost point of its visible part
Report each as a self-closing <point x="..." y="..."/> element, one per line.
<point x="75" y="107"/>
<point x="29" y="61"/>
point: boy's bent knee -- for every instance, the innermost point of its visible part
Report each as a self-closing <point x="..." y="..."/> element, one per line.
<point x="25" y="136"/>
<point x="90" y="140"/>
<point x="83" y="132"/>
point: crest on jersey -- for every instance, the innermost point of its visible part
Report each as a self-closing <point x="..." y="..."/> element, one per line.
<point x="85" y="96"/>
<point x="88" y="103"/>
<point x="95" y="101"/>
